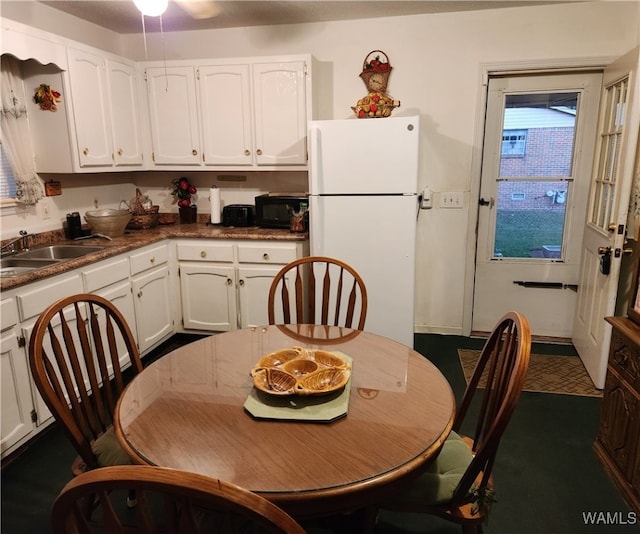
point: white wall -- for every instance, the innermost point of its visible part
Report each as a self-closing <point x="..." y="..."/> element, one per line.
<point x="438" y="63"/>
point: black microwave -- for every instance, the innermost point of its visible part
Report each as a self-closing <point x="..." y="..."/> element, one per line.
<point x="274" y="210"/>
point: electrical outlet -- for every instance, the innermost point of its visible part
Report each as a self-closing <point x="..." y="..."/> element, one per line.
<point x="45" y="210"/>
<point x="452" y="199"/>
<point x="95" y="203"/>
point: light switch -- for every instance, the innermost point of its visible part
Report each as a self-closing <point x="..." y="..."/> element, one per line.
<point x="452" y="199"/>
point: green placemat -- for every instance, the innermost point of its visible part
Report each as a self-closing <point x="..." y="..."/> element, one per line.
<point x="318" y="408"/>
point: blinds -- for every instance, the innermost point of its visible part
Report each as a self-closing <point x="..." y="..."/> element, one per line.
<point x="7" y="180"/>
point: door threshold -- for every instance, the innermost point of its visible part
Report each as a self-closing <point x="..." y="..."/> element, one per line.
<point x="537" y="339"/>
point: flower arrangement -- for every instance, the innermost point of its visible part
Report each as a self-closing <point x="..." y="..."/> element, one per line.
<point x="183" y="191"/>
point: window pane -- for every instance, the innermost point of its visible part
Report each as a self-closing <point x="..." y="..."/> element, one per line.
<point x="539" y="129"/>
<point x="530" y="219"/>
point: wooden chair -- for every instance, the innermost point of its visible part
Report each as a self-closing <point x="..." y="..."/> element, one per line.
<point x="320" y="290"/>
<point x="78" y="351"/>
<point x="458" y="486"/>
<point x="169" y="500"/>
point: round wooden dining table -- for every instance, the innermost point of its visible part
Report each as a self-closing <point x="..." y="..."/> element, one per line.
<point x="196" y="409"/>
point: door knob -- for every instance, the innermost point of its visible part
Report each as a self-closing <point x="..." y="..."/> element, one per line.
<point x="484" y="202"/>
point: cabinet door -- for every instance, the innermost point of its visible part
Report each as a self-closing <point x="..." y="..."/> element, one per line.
<point x="225" y="104"/>
<point x="279" y="93"/>
<point x="173" y="115"/>
<point x="253" y="292"/>
<point x="16" y="391"/>
<point x="125" y="117"/>
<point x="87" y="74"/>
<point x="121" y="296"/>
<point x="620" y="423"/>
<point x="152" y="304"/>
<point x="208" y="296"/>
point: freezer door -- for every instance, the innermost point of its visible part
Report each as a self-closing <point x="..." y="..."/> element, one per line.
<point x="376" y="236"/>
<point x="361" y="156"/>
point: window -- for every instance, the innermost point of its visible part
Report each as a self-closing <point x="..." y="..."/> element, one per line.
<point x="514" y="142"/>
<point x="7" y="179"/>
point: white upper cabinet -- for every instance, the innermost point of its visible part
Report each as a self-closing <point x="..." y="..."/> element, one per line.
<point x="230" y="114"/>
<point x="225" y="101"/>
<point x="105" y="110"/>
<point x="173" y="115"/>
<point x="124" y="108"/>
<point x="279" y="99"/>
<point x="89" y="93"/>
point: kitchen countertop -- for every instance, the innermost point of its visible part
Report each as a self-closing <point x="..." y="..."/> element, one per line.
<point x="134" y="239"/>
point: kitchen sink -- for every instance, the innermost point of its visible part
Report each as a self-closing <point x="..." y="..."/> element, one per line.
<point x="14" y="266"/>
<point x="37" y="258"/>
<point x="58" y="252"/>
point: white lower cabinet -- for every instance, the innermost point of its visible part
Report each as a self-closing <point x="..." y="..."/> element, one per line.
<point x="17" y="404"/>
<point x="225" y="285"/>
<point x="151" y="283"/>
<point x="215" y="306"/>
<point x="110" y="279"/>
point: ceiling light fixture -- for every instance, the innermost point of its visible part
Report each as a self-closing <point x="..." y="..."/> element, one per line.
<point x="151" y="8"/>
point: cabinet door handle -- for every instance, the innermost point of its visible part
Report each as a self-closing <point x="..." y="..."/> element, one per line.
<point x="152" y="259"/>
<point x="119" y="152"/>
<point x="241" y="282"/>
<point x="203" y="254"/>
<point x="85" y="151"/>
<point x="194" y="152"/>
<point x="229" y="281"/>
<point x="139" y="294"/>
<point x="259" y="152"/>
<point x="247" y="152"/>
<point x="265" y="257"/>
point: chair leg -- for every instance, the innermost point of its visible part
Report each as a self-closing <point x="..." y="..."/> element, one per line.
<point x="369" y="519"/>
<point x="472" y="529"/>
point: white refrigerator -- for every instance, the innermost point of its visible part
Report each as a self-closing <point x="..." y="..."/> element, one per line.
<point x="363" y="205"/>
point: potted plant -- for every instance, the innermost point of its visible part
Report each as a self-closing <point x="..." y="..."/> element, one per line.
<point x="183" y="192"/>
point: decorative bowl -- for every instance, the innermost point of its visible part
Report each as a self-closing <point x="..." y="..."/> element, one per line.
<point x="108" y="222"/>
<point x="299" y="371"/>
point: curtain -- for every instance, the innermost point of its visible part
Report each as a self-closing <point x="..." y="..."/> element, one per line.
<point x="16" y="140"/>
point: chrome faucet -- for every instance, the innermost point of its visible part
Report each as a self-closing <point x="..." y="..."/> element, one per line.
<point x="23" y="238"/>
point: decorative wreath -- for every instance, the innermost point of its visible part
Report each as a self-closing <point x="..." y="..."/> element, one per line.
<point x="47" y="98"/>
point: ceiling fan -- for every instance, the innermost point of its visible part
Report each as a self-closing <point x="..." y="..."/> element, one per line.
<point x="197" y="9"/>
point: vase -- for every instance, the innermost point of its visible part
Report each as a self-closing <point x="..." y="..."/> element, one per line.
<point x="188" y="215"/>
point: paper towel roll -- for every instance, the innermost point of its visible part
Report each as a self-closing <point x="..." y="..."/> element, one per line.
<point x="216" y="207"/>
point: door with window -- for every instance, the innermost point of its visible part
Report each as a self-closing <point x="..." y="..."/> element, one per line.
<point x="605" y="229"/>
<point x="537" y="158"/>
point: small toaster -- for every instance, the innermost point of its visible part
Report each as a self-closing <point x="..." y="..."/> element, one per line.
<point x="238" y="215"/>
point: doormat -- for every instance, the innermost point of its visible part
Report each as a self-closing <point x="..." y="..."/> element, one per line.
<point x="563" y="375"/>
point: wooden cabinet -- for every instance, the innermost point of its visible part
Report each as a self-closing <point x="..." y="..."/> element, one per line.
<point x="105" y="111"/>
<point x="234" y="276"/>
<point x="150" y="283"/>
<point x="229" y="114"/>
<point x="618" y="439"/>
